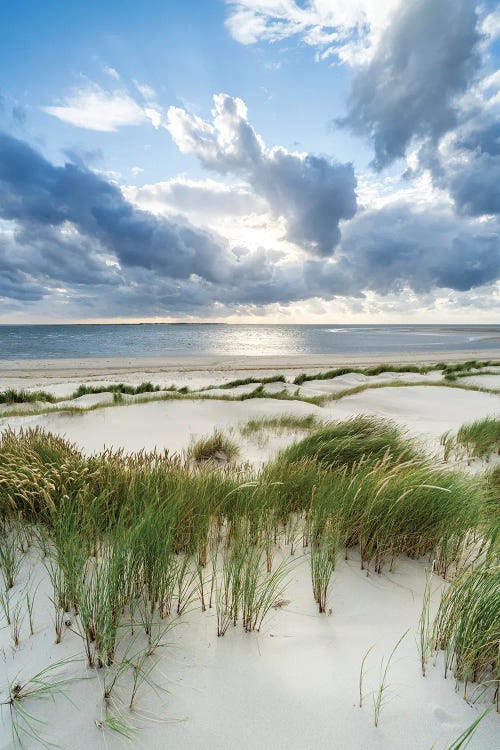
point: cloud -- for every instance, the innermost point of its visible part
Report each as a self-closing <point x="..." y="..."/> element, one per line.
<point x="426" y="58"/>
<point x="467" y="165"/>
<point x="111" y="72"/>
<point x="36" y="194"/>
<point x="95" y="108"/>
<point x="70" y="237"/>
<point x="312" y="193"/>
<point x="200" y="199"/>
<point x="474" y="179"/>
<point x="349" y="29"/>
<point x="400" y="246"/>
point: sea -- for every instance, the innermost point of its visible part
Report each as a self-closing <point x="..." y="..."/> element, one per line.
<point x="175" y="339"/>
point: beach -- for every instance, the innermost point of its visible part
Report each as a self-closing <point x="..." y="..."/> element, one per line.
<point x="296" y="682"/>
<point x="199" y="370"/>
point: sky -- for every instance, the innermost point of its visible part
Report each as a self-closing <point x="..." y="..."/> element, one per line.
<point x="287" y="161"/>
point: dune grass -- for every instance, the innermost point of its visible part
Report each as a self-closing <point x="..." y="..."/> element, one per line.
<point x="346" y="443"/>
<point x="133" y="542"/>
<point x="247" y="381"/>
<point x="449" y="370"/>
<point x="479" y="439"/>
<point x="217" y="446"/>
<point x="121" y="388"/>
<point x="280" y="424"/>
<point x="13" y="396"/>
<point x="467" y="626"/>
<point x="47" y="683"/>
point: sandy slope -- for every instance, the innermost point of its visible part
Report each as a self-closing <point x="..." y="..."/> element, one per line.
<point x="292" y="686"/>
<point x="426" y="411"/>
<point x="62" y="376"/>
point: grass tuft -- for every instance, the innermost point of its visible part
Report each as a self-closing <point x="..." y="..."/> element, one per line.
<point x="479" y="439"/>
<point x="217" y="447"/>
<point x="280" y="424"/>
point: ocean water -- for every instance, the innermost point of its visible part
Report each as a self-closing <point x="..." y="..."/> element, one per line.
<point x="151" y="340"/>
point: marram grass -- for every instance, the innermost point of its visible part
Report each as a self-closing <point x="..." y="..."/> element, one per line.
<point x="346" y="443"/>
<point x="135" y="541"/>
<point x="216" y="447"/>
<point x="280" y="424"/>
<point x="467" y="626"/>
<point x="479" y="439"/>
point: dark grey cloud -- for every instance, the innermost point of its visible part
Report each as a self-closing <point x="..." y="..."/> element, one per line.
<point x="35" y="193"/>
<point x="68" y="233"/>
<point x="312" y="193"/>
<point x="427" y="56"/>
<point x="467" y="165"/>
<point x="399" y="246"/>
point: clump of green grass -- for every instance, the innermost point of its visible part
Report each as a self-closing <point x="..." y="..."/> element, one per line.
<point x="247" y="381"/>
<point x="346" y="443"/>
<point x="12" y="396"/>
<point x="479" y="439"/>
<point x="490" y="522"/>
<point x="467" y="626"/>
<point x="217" y="447"/>
<point x="132" y="390"/>
<point x="449" y="370"/>
<point x="280" y="424"/>
<point x="10" y="555"/>
<point x="47" y="683"/>
<point x="37" y="469"/>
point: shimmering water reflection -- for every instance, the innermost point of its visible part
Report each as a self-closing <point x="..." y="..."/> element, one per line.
<point x="151" y="340"/>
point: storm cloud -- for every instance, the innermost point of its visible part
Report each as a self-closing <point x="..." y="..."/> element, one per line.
<point x="400" y="247"/>
<point x="35" y="193"/>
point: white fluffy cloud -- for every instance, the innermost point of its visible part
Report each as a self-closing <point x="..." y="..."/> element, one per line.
<point x="312" y="194"/>
<point x="95" y="108"/>
<point x="349" y="29"/>
<point x="203" y="200"/>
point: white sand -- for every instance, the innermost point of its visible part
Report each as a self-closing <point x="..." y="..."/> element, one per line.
<point x="425" y="411"/>
<point x="354" y="379"/>
<point x="292" y="686"/>
<point x="62" y="376"/>
<point x="483" y="381"/>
